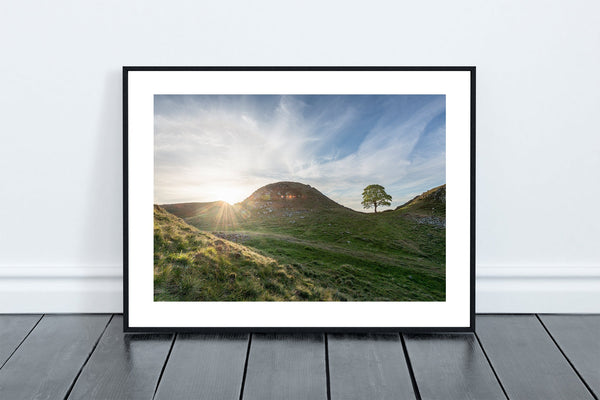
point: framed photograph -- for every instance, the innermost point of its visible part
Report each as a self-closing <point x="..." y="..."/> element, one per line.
<point x="326" y="199"/>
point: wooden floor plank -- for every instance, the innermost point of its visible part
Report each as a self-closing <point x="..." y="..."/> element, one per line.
<point x="204" y="367"/>
<point x="579" y="338"/>
<point x="13" y="329"/>
<point x="46" y="364"/>
<point x="368" y="366"/>
<point x="123" y="366"/>
<point x="451" y="366"/>
<point x="526" y="360"/>
<point x="286" y="366"/>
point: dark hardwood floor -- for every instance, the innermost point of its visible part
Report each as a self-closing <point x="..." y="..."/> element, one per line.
<point x="510" y="356"/>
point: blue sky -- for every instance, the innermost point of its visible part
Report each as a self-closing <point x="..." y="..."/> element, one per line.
<point x="210" y="147"/>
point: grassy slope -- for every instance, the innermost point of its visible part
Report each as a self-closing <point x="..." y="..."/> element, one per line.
<point x="430" y="203"/>
<point x="376" y="257"/>
<point x="357" y="256"/>
<point x="190" y="265"/>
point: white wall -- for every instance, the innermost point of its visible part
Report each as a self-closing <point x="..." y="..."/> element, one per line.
<point x="537" y="127"/>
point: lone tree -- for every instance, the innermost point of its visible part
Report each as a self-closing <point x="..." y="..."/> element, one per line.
<point x="375" y="195"/>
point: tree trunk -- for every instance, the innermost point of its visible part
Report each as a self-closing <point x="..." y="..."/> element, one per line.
<point x="375" y="204"/>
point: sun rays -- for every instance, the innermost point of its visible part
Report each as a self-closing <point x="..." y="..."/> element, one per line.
<point x="226" y="216"/>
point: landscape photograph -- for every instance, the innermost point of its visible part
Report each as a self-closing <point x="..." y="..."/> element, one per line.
<point x="300" y="198"/>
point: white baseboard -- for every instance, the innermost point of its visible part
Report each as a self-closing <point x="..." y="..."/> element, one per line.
<point x="50" y="289"/>
<point x="525" y="290"/>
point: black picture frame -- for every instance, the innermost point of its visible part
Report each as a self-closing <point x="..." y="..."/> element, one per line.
<point x="128" y="327"/>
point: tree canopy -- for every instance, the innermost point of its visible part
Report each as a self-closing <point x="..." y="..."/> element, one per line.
<point x="375" y="196"/>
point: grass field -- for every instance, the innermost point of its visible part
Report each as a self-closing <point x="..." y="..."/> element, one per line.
<point x="290" y="242"/>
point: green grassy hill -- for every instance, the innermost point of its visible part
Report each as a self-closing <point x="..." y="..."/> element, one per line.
<point x="279" y="196"/>
<point x="210" y="216"/>
<point x="430" y="203"/>
<point x="190" y="265"/>
<point x="186" y="210"/>
<point x="346" y="255"/>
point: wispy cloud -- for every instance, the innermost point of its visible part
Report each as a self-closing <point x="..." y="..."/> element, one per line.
<point x="225" y="147"/>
